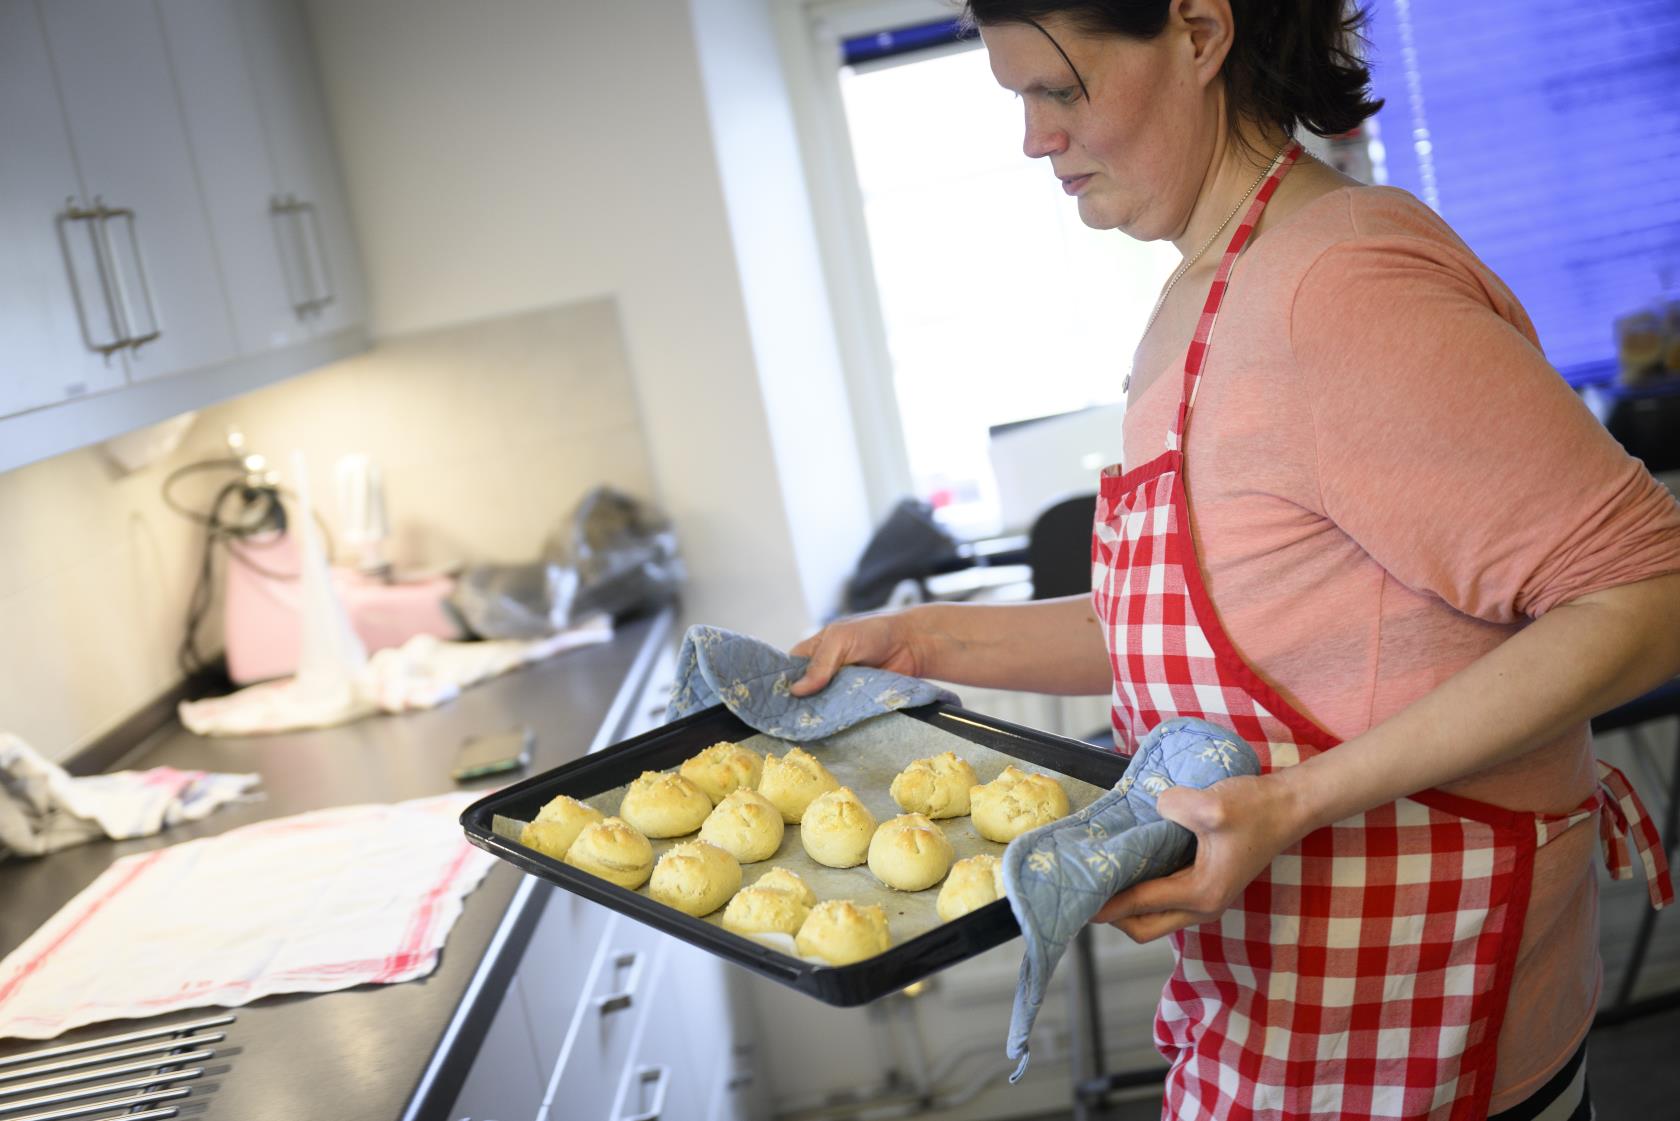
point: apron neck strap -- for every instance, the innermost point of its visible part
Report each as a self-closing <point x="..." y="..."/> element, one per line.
<point x="1196" y="358"/>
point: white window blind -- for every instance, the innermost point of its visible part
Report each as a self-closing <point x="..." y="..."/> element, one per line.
<point x="1547" y="133"/>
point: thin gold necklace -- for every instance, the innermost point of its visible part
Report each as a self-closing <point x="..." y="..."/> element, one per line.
<point x="1161" y="300"/>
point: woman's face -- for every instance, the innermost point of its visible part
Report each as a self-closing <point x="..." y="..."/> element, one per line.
<point x="1135" y="151"/>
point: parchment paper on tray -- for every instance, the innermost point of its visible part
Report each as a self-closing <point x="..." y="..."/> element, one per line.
<point x="865" y="757"/>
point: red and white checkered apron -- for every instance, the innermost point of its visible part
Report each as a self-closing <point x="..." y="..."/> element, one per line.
<point x="1365" y="973"/>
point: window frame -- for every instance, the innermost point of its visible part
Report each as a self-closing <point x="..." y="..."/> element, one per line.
<point x="809" y="35"/>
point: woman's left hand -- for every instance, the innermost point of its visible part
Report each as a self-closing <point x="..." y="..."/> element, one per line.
<point x="1240" y="824"/>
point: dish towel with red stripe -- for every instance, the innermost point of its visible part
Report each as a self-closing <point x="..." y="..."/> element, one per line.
<point x="43" y="808"/>
<point x="312" y="903"/>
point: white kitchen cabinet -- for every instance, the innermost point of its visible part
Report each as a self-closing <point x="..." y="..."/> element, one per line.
<point x="130" y="143"/>
<point x="308" y="189"/>
<point x="47" y="321"/>
<point x="169" y="205"/>
<point x="258" y="247"/>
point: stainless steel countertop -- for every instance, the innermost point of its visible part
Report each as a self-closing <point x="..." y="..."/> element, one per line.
<point x="363" y="1053"/>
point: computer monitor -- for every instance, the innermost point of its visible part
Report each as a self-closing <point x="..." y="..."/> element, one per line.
<point x="1040" y="460"/>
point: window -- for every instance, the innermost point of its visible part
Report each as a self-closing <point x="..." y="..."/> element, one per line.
<point x="998" y="304"/>
<point x="1547" y="132"/>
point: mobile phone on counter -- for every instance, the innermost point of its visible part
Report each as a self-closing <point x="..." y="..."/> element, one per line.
<point x="493" y="754"/>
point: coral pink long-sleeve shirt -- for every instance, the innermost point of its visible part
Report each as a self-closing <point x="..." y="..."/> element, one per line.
<point x="1386" y="481"/>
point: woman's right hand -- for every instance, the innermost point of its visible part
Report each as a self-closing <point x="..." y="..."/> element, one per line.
<point x="888" y="641"/>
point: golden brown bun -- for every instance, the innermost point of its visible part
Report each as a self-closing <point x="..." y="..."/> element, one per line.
<point x="745" y="825"/>
<point x="695" y="877"/>
<point x="722" y="768"/>
<point x="910" y="853"/>
<point x="793" y="782"/>
<point x="841" y="932"/>
<point x="764" y="910"/>
<point x="613" y="850"/>
<point x="1015" y="802"/>
<point x="557" y="825"/>
<point x="937" y="787"/>
<point x="972" y="884"/>
<point x="662" y="804"/>
<point x="836" y="829"/>
<point x="785" y="879"/>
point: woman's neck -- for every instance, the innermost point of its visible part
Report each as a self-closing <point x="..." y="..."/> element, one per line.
<point x="1240" y="158"/>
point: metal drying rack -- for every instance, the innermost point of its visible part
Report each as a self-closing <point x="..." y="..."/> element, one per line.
<point x="130" y="1077"/>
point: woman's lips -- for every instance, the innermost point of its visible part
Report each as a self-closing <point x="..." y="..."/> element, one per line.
<point x="1075" y="184"/>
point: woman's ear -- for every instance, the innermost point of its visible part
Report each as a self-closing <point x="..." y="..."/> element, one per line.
<point x="1207" y="26"/>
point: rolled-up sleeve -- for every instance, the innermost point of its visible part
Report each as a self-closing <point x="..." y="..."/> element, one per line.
<point x="1448" y="447"/>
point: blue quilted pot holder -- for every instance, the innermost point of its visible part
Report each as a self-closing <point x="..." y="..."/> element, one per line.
<point x="1059" y="875"/>
<point x="752" y="679"/>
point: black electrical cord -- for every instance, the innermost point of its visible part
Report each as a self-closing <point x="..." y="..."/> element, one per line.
<point x="260" y="510"/>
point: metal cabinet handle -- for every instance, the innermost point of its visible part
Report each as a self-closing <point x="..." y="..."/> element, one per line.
<point x="316" y="286"/>
<point x="105" y="215"/>
<point x="283" y="211"/>
<point x="622" y="999"/>
<point x="313" y="228"/>
<point x="74" y="213"/>
<point x="661" y="1078"/>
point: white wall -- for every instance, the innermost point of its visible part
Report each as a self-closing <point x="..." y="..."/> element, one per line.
<point x="515" y="154"/>
<point x="793" y="337"/>
<point x="487" y="434"/>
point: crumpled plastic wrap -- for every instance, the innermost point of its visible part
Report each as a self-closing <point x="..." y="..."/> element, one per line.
<point x="614" y="554"/>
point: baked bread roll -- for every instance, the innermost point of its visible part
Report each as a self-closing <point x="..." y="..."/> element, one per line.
<point x="972" y="884"/>
<point x="662" y="804"/>
<point x="1015" y="802"/>
<point x="836" y="829"/>
<point x="793" y="781"/>
<point x="557" y="825"/>
<point x="695" y="877"/>
<point x="841" y="932"/>
<point x="910" y="853"/>
<point x="613" y="850"/>
<point x="764" y="910"/>
<point x="786" y="879"/>
<point x="937" y="787"/>
<point x="745" y="825"/>
<point x="723" y="768"/>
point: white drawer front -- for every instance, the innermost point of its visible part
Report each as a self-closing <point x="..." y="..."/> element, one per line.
<point x="663" y="1081"/>
<point x="503" y="1084"/>
<point x="586" y="1081"/>
<point x="556" y="967"/>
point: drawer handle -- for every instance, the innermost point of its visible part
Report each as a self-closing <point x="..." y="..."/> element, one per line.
<point x="629" y="961"/>
<point x="661" y="1078"/>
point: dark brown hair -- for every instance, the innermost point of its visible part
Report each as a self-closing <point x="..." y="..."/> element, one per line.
<point x="1292" y="62"/>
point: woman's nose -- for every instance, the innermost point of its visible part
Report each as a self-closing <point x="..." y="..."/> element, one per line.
<point x="1041" y="138"/>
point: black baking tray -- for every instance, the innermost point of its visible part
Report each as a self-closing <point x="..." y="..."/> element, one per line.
<point x="668" y="746"/>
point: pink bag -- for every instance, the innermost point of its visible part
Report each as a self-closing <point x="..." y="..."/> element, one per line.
<point x="261" y="608"/>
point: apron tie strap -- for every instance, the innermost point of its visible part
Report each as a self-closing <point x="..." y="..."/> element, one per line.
<point x="1623" y="817"/>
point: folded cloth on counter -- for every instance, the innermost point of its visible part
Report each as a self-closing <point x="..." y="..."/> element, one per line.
<point x="751" y="678"/>
<point x="423" y="672"/>
<point x="44" y="809"/>
<point x="312" y="903"/>
<point x="1059" y="875"/>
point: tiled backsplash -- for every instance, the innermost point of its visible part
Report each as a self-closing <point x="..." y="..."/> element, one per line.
<point x="487" y="435"/>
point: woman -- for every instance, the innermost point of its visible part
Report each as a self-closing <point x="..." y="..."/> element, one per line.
<point x="1397" y="556"/>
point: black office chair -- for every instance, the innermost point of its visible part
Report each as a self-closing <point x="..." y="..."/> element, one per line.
<point x="1059" y="547"/>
